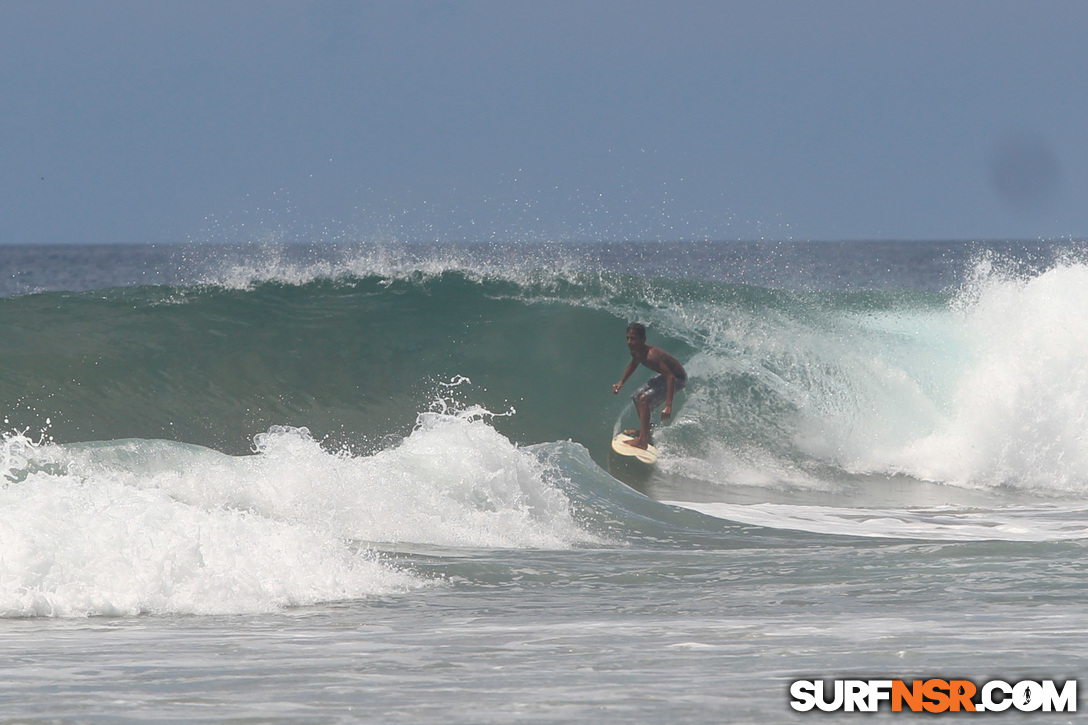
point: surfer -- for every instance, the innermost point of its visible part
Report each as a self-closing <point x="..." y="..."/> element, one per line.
<point x="671" y="377"/>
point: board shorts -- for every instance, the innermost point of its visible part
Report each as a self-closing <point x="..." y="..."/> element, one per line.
<point x="656" y="389"/>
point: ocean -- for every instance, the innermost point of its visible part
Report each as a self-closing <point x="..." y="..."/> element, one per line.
<point x="373" y="482"/>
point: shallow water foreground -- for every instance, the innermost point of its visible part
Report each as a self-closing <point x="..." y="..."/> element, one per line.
<point x="608" y="635"/>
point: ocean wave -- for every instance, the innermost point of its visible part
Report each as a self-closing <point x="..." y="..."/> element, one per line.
<point x="978" y="387"/>
<point x="152" y="526"/>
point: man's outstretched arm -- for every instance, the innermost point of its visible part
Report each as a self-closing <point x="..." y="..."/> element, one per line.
<point x="631" y="367"/>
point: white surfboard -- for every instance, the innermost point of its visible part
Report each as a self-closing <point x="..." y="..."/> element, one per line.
<point x="647" y="455"/>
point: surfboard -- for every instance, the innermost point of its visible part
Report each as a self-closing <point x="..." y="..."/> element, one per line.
<point x="647" y="456"/>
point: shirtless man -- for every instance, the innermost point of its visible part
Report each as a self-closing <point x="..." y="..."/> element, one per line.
<point x="671" y="377"/>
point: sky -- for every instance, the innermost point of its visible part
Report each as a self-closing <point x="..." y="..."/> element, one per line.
<point x="254" y="120"/>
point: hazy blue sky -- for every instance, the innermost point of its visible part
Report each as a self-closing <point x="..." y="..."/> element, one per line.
<point x="227" y="121"/>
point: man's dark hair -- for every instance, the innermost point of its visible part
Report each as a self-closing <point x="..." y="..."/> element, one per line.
<point x="639" y="329"/>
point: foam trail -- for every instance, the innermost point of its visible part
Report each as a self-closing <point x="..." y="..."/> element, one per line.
<point x="1037" y="523"/>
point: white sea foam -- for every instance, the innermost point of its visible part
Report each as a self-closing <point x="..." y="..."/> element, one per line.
<point x="1018" y="410"/>
<point x="454" y="481"/>
<point x="137" y="526"/>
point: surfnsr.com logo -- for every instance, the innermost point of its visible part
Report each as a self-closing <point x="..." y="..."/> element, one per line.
<point x="933" y="695"/>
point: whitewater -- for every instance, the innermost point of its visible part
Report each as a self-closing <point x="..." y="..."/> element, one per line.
<point x="372" y="482"/>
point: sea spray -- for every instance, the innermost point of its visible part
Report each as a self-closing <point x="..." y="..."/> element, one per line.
<point x="1017" y="416"/>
